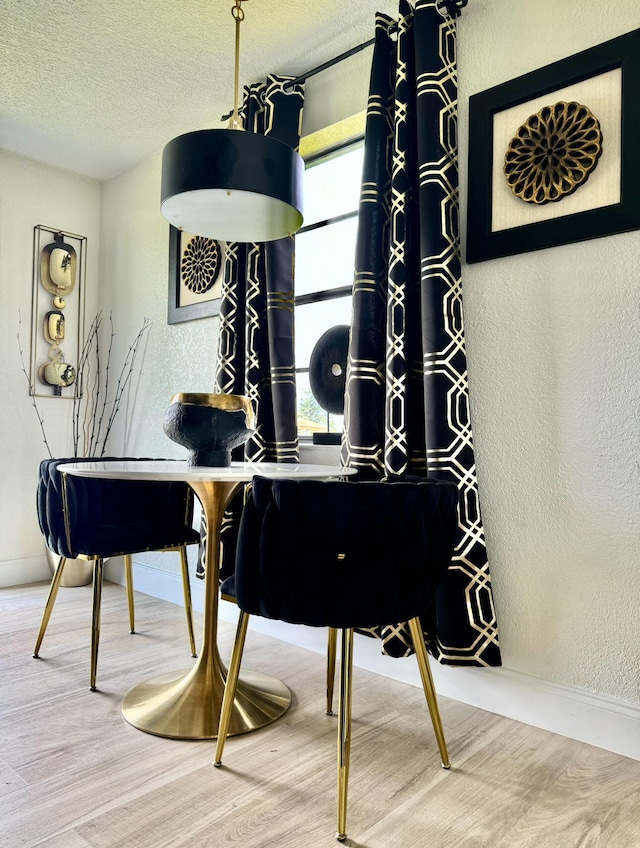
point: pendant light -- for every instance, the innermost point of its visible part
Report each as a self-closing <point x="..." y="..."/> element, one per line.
<point x="229" y="184"/>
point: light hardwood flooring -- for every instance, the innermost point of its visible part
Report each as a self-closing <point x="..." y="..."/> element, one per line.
<point x="74" y="774"/>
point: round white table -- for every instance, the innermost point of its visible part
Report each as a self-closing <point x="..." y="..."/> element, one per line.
<point x="186" y="704"/>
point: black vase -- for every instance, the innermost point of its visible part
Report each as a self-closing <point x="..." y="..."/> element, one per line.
<point x="209" y="426"/>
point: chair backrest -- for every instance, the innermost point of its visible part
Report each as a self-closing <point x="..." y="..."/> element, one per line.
<point x="110" y="517"/>
<point x="344" y="554"/>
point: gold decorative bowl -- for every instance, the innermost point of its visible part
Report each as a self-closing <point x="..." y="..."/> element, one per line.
<point x="209" y="425"/>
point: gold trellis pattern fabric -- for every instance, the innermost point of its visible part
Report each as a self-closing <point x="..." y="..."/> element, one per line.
<point x="256" y="343"/>
<point x="256" y="350"/>
<point x="406" y="405"/>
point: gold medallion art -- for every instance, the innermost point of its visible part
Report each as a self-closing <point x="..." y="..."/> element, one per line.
<point x="553" y="153"/>
<point x="200" y="264"/>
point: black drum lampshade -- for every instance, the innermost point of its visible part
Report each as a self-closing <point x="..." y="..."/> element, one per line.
<point x="229" y="184"/>
<point x="232" y="185"/>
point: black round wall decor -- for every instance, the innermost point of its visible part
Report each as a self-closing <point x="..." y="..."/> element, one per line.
<point x="328" y="368"/>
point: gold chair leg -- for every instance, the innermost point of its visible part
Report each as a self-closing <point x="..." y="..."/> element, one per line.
<point x="95" y="619"/>
<point x="332" y="641"/>
<point x="230" y="686"/>
<point x="186" y="588"/>
<point x="344" y="730"/>
<point x="429" y="689"/>
<point x="128" y="579"/>
<point x="48" y="607"/>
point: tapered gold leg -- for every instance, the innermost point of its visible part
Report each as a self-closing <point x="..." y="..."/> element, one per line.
<point x="48" y="607"/>
<point x="230" y="686"/>
<point x="332" y="641"/>
<point x="344" y="730"/>
<point x="186" y="588"/>
<point x="429" y="688"/>
<point x="128" y="579"/>
<point x="95" y="619"/>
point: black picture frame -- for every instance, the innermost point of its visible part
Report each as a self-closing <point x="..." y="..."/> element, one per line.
<point x="482" y="241"/>
<point x="178" y="312"/>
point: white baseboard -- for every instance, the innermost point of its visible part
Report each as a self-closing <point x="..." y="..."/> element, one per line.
<point x="15" y="572"/>
<point x="588" y="717"/>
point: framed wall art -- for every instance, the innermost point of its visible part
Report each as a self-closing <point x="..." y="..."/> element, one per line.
<point x="553" y="154"/>
<point x="195" y="276"/>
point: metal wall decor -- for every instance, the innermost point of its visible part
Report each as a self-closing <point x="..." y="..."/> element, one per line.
<point x="195" y="282"/>
<point x="553" y="153"/>
<point x="328" y="377"/>
<point x="584" y="190"/>
<point x="57" y="312"/>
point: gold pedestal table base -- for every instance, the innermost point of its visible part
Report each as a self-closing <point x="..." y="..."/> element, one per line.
<point x="186" y="705"/>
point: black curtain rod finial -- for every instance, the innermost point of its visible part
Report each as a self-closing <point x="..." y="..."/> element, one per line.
<point x="451" y="8"/>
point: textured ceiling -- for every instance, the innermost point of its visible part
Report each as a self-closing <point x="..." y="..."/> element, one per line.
<point x="96" y="87"/>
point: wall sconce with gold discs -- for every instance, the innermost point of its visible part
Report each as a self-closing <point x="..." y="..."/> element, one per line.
<point x="56" y="320"/>
<point x="58" y="267"/>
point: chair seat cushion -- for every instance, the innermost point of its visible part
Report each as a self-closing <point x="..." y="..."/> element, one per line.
<point x="107" y="540"/>
<point x="343" y="554"/>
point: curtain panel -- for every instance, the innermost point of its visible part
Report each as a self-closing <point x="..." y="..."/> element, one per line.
<point x="256" y="347"/>
<point x="406" y="403"/>
<point x="256" y="341"/>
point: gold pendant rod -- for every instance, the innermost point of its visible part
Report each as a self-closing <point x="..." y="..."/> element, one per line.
<point x="237" y="13"/>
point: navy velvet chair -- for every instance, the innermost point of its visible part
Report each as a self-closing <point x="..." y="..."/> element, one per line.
<point x="94" y="519"/>
<point x="343" y="555"/>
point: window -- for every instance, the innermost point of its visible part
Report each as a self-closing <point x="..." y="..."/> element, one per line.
<point x="325" y="251"/>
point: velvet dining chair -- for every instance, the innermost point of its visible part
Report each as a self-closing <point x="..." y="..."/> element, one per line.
<point x="343" y="555"/>
<point x="95" y="519"/>
<point x="332" y="635"/>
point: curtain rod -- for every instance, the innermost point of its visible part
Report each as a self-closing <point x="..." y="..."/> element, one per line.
<point x="452" y="7"/>
<point x="328" y="64"/>
<point x="331" y="62"/>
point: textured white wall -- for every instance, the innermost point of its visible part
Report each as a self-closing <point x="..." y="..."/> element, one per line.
<point x="552" y="342"/>
<point x="134" y="273"/>
<point x="133" y="269"/>
<point x="32" y="194"/>
<point x="178" y="357"/>
<point x="553" y="365"/>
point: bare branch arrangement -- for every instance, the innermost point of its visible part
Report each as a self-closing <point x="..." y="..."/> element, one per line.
<point x="94" y="410"/>
<point x="31" y="389"/>
<point x="95" y="404"/>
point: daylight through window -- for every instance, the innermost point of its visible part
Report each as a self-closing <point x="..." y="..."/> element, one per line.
<point x="325" y="251"/>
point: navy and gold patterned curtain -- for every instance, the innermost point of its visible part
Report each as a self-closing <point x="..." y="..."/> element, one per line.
<point x="256" y="350"/>
<point x="406" y="404"/>
<point x="256" y="343"/>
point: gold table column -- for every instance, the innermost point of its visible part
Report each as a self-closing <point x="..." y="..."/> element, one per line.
<point x="186" y="704"/>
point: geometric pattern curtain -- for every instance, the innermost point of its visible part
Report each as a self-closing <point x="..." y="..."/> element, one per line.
<point x="256" y="335"/>
<point x="256" y="350"/>
<point x="406" y="401"/>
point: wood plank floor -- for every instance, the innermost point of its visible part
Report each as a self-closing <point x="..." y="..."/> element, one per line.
<point x="74" y="774"/>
